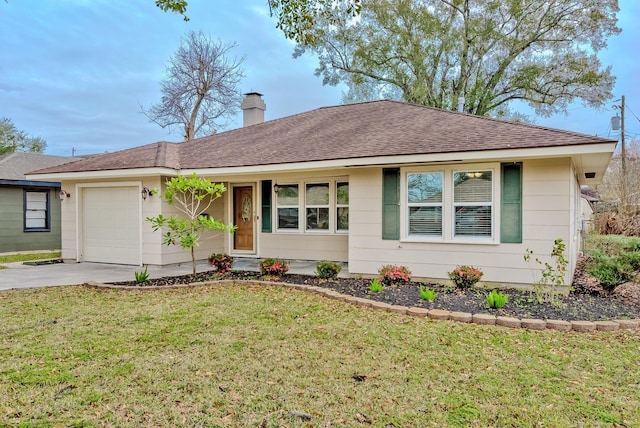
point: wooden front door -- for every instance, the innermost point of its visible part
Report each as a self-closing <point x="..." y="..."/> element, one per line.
<point x="243" y="218"/>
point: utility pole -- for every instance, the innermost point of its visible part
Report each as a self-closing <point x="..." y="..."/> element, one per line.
<point x="623" y="160"/>
<point x="623" y="153"/>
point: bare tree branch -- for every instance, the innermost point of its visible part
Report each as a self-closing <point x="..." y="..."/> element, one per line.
<point x="201" y="89"/>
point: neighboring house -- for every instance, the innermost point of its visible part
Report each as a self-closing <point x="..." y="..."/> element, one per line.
<point x="369" y="184"/>
<point x="29" y="210"/>
<point x="587" y="203"/>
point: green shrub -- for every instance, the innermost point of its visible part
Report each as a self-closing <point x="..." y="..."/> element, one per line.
<point x="632" y="259"/>
<point x="496" y="299"/>
<point x="328" y="270"/>
<point x="465" y="276"/>
<point x="394" y="275"/>
<point x="614" y="270"/>
<point x="141" y="276"/>
<point x="222" y="263"/>
<point x="427" y="294"/>
<point x="273" y="267"/>
<point x="612" y="245"/>
<point x="376" y="286"/>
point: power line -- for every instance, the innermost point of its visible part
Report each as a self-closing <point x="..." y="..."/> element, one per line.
<point x="636" y="116"/>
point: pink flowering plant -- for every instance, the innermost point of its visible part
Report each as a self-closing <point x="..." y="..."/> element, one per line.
<point x="273" y="267"/>
<point x="465" y="276"/>
<point x="394" y="275"/>
<point x="222" y="263"/>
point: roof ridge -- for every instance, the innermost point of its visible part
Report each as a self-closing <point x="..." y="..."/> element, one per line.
<point x="5" y="157"/>
<point x="161" y="153"/>
<point x="493" y="119"/>
<point x="441" y="110"/>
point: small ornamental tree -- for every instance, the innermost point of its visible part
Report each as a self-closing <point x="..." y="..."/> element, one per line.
<point x="192" y="196"/>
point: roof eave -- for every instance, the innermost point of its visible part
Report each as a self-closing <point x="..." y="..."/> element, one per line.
<point x="600" y="154"/>
<point x="105" y="174"/>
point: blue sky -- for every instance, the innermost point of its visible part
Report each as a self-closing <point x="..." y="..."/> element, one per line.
<point x="75" y="72"/>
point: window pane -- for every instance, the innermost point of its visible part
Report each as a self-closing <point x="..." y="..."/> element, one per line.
<point x="425" y="187"/>
<point x="32" y="223"/>
<point x="288" y="194"/>
<point x="318" y="194"/>
<point x="473" y="221"/>
<point x="317" y="218"/>
<point x="425" y="221"/>
<point x="287" y="218"/>
<point x="35" y="215"/>
<point x="343" y="218"/>
<point x="472" y="186"/>
<point x="342" y="193"/>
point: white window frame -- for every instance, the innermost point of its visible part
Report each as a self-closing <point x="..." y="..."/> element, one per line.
<point x="277" y="208"/>
<point x="302" y="206"/>
<point x="29" y="209"/>
<point x="424" y="204"/>
<point x="448" y="208"/>
<point x="455" y="204"/>
<point x="327" y="206"/>
<point x="338" y="205"/>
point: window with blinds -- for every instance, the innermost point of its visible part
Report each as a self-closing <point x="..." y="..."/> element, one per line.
<point x="473" y="203"/>
<point x="424" y="202"/>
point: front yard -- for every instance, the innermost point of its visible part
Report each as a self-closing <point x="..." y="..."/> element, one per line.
<point x="247" y="356"/>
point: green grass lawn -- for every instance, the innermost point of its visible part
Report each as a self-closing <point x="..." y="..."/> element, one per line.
<point x="25" y="257"/>
<point x="244" y="356"/>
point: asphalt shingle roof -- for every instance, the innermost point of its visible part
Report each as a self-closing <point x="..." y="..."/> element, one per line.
<point x="14" y="166"/>
<point x="370" y="129"/>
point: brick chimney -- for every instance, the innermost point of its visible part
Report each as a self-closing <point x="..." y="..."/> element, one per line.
<point x="253" y="108"/>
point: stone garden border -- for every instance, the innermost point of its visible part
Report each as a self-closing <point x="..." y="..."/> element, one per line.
<point x="435" y="314"/>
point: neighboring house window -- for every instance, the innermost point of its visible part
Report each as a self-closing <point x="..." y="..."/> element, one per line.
<point x="473" y="203"/>
<point x="449" y="204"/>
<point x="287" y="206"/>
<point x="424" y="203"/>
<point x="317" y="206"/>
<point x="342" y="206"/>
<point x="36" y="211"/>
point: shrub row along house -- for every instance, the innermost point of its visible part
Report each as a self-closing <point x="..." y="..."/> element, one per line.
<point x="369" y="184"/>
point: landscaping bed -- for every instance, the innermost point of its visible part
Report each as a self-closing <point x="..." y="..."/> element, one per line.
<point x="521" y="304"/>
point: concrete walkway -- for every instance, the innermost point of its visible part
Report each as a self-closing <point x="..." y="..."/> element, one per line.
<point x="19" y="275"/>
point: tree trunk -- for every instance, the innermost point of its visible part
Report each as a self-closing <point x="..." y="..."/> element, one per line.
<point x="193" y="259"/>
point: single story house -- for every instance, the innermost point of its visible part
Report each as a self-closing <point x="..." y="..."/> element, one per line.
<point x="370" y="184"/>
<point x="29" y="210"/>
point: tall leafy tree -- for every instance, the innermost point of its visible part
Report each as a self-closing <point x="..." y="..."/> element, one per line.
<point x="14" y="140"/>
<point x="491" y="52"/>
<point x="201" y="90"/>
<point x="296" y="18"/>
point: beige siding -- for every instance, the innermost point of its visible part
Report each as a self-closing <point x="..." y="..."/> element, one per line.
<point x="547" y="214"/>
<point x="304" y="246"/>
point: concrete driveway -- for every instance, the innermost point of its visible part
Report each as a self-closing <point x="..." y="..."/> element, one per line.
<point x="18" y="275"/>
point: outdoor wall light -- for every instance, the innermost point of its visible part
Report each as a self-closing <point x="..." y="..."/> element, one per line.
<point x="276" y="188"/>
<point x="64" y="194"/>
<point x="146" y="192"/>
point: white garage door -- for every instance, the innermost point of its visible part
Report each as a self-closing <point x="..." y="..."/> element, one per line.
<point x="111" y="225"/>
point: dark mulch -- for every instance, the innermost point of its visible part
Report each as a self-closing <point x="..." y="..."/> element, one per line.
<point x="521" y="304"/>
